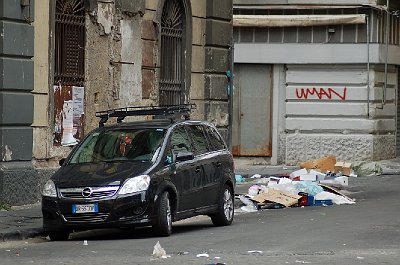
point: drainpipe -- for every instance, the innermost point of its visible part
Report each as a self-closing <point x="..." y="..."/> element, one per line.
<point x="387" y="53"/>
<point x="230" y="95"/>
<point x="368" y="67"/>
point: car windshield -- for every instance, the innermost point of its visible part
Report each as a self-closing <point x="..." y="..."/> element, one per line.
<point x="117" y="145"/>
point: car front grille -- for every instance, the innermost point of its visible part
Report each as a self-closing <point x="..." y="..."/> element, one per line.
<point x="86" y="217"/>
<point x="88" y="192"/>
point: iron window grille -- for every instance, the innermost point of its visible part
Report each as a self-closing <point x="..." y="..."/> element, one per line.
<point x="172" y="53"/>
<point x="69" y="42"/>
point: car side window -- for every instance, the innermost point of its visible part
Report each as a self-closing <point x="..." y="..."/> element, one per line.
<point x="179" y="142"/>
<point x="215" y="140"/>
<point x="199" y="139"/>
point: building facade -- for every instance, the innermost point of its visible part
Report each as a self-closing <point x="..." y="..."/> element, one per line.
<point x="95" y="55"/>
<point x="323" y="76"/>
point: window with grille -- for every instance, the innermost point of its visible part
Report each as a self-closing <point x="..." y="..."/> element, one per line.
<point x="69" y="42"/>
<point x="172" y="53"/>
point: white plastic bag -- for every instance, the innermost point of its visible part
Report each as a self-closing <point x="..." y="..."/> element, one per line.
<point x="336" y="199"/>
<point x="159" y="252"/>
<point x="249" y="205"/>
<point x="253" y="190"/>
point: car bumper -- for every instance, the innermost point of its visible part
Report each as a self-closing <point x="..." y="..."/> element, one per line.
<point x="132" y="210"/>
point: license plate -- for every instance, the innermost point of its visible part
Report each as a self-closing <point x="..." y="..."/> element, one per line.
<point x="85" y="208"/>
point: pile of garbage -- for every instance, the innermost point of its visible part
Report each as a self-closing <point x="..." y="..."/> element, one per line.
<point x="317" y="183"/>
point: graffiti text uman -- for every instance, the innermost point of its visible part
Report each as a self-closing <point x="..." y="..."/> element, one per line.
<point x="321" y="93"/>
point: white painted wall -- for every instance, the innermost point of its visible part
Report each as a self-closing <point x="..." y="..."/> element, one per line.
<point x="332" y="97"/>
<point x="328" y="112"/>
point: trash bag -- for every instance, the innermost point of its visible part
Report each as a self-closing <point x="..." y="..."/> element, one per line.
<point x="239" y="179"/>
<point x="367" y="169"/>
<point x="308" y="187"/>
<point x="289" y="187"/>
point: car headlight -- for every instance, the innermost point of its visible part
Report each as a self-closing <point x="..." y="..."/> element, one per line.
<point x="135" y="184"/>
<point x="49" y="189"/>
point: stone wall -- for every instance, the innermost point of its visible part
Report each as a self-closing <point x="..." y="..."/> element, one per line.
<point x="18" y="181"/>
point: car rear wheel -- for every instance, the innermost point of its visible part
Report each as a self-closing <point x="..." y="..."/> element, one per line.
<point x="59" y="235"/>
<point x="224" y="215"/>
<point x="163" y="225"/>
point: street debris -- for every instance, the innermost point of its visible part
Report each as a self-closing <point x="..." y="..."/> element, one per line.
<point x="302" y="262"/>
<point x="315" y="184"/>
<point x="249" y="205"/>
<point x="367" y="168"/>
<point x="159" y="252"/>
<point x="239" y="178"/>
<point x="255" y="252"/>
<point x="203" y="255"/>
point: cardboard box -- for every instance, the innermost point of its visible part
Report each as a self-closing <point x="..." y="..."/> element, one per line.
<point x="297" y="173"/>
<point x="319" y="175"/>
<point x="285" y="198"/>
<point x="343" y="167"/>
<point x="323" y="202"/>
<point x="308" y="177"/>
<point x="323" y="164"/>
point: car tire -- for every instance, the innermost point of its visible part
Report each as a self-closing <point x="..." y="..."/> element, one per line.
<point x="163" y="225"/>
<point x="59" y="235"/>
<point x="224" y="215"/>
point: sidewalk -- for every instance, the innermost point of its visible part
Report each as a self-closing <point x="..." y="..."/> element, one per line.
<point x="23" y="222"/>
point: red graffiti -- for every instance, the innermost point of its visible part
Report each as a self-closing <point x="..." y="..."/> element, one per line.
<point x="304" y="93"/>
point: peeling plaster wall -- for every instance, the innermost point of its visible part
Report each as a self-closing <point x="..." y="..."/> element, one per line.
<point x="113" y="61"/>
<point x="122" y="64"/>
<point x="130" y="92"/>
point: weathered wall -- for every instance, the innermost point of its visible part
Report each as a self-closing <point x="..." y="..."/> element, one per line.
<point x="306" y="2"/>
<point x="217" y="62"/>
<point x="131" y="42"/>
<point x="113" y="58"/>
<point x="122" y="63"/>
<point x="331" y="104"/>
<point x="330" y="110"/>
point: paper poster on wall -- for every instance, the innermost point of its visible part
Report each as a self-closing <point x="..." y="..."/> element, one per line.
<point x="68" y="114"/>
<point x="77" y="98"/>
<point x="68" y="124"/>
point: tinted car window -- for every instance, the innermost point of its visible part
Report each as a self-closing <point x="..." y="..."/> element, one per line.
<point x="180" y="141"/>
<point x="215" y="140"/>
<point x="134" y="144"/>
<point x="199" y="139"/>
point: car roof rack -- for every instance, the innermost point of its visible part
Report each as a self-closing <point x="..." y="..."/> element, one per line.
<point x="172" y="112"/>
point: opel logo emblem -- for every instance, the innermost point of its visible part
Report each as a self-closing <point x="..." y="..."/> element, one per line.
<point x="86" y="192"/>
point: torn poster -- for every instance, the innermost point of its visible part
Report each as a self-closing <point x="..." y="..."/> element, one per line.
<point x="68" y="114"/>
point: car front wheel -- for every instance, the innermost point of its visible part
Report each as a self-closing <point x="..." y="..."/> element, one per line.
<point x="224" y="215"/>
<point x="163" y="225"/>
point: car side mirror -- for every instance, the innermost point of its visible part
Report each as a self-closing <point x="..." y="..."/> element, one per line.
<point x="61" y="162"/>
<point x="184" y="156"/>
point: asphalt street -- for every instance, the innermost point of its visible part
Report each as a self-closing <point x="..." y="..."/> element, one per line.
<point x="367" y="232"/>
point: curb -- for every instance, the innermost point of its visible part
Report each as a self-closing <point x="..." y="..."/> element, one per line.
<point x="21" y="234"/>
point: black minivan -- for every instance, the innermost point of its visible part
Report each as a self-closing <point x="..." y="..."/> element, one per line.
<point x="143" y="173"/>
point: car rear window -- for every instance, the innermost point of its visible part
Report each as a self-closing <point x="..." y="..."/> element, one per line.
<point x="215" y="139"/>
<point x="116" y="145"/>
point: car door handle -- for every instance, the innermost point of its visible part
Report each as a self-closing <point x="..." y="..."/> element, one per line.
<point x="219" y="164"/>
<point x="197" y="169"/>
